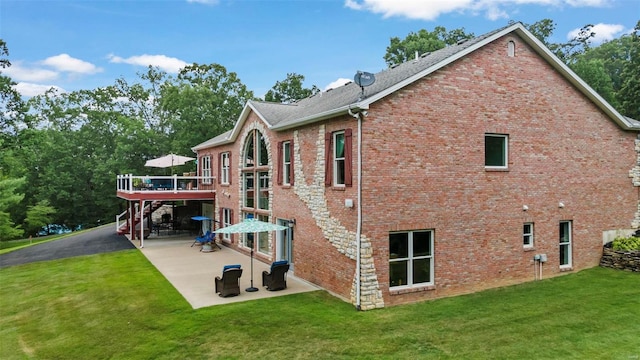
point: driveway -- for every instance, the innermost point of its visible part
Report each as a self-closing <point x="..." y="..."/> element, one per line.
<point x="99" y="240"/>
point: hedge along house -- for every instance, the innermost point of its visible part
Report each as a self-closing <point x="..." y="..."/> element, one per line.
<point x="483" y="164"/>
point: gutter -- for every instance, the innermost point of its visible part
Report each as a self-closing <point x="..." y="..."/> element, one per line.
<point x="347" y="109"/>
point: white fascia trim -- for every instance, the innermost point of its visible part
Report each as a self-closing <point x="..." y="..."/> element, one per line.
<point x="438" y="66"/>
<point x="321" y="116"/>
<point x="236" y="128"/>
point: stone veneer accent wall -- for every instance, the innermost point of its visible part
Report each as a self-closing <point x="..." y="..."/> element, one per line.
<point x="634" y="174"/>
<point x="343" y="240"/>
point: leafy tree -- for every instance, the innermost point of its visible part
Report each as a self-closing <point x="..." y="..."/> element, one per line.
<point x="567" y="52"/>
<point x="542" y="29"/>
<point x="204" y="101"/>
<point x="9" y="197"/>
<point x="423" y="41"/>
<point x="38" y="216"/>
<point x="594" y="73"/>
<point x="12" y="108"/>
<point x="4" y="51"/>
<point x="290" y="90"/>
<point x="615" y="55"/>
<point x="630" y="89"/>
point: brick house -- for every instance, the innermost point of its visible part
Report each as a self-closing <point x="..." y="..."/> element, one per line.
<point x="453" y="172"/>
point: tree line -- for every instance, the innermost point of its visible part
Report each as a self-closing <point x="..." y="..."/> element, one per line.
<point x="60" y="152"/>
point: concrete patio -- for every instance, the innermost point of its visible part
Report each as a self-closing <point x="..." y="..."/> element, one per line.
<point x="192" y="271"/>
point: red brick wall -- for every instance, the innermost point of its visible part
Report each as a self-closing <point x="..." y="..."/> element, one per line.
<point x="423" y="168"/>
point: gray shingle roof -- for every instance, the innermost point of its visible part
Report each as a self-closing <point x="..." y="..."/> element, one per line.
<point x="336" y="101"/>
<point x="279" y="115"/>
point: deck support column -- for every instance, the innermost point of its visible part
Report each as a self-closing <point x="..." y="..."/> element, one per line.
<point x="132" y="220"/>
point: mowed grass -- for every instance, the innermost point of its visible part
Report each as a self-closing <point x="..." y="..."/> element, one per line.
<point x="118" y="306"/>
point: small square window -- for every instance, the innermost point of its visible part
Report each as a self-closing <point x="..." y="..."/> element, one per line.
<point x="496" y="151"/>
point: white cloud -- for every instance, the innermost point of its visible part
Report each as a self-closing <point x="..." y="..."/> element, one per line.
<point x="604" y="32"/>
<point x="431" y="10"/>
<point x="337" y="83"/>
<point x="412" y="9"/>
<point x="205" y="2"/>
<point x="66" y="63"/>
<point x="493" y="13"/>
<point x="588" y="3"/>
<point x="18" y="72"/>
<point x="168" y="64"/>
<point x="30" y="89"/>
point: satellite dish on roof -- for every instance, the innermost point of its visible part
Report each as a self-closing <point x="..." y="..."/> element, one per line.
<point x="364" y="78"/>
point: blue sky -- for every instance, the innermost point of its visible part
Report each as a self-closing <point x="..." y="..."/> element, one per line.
<point x="87" y="44"/>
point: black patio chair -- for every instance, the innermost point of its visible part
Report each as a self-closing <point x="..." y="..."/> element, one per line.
<point x="276" y="279"/>
<point x="229" y="284"/>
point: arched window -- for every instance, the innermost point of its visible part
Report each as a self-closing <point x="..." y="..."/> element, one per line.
<point x="511" y="48"/>
<point x="256" y="186"/>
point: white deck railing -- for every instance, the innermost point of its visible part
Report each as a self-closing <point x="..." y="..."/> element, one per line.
<point x="130" y="183"/>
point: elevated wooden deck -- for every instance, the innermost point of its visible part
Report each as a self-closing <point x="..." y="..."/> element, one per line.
<point x="134" y="188"/>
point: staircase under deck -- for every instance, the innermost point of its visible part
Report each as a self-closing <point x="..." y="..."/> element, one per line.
<point x="144" y="190"/>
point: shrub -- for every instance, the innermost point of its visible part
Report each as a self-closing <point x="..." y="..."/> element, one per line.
<point x="626" y="244"/>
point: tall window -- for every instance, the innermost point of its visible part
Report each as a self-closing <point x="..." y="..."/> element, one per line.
<point x="527" y="235"/>
<point x="263" y="154"/>
<point x="206" y="169"/>
<point x="496" y="151"/>
<point x="249" y="189"/>
<point x="226" y="221"/>
<point x="260" y="240"/>
<point x="256" y="188"/>
<point x="338" y="158"/>
<point x="565" y="244"/>
<point x="225" y="159"/>
<point x="263" y="237"/>
<point x="248" y="238"/>
<point x="263" y="190"/>
<point x="286" y="163"/>
<point x="410" y="258"/>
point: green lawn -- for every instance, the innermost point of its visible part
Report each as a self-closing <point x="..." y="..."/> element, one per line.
<point x="118" y="306"/>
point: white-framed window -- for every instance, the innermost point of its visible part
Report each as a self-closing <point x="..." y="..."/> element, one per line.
<point x="249" y="189"/>
<point x="496" y="151"/>
<point x="224" y="168"/>
<point x="286" y="163"/>
<point x="411" y="258"/>
<point x="263" y="154"/>
<point x="263" y="190"/>
<point x="527" y="235"/>
<point x="338" y="158"/>
<point x="248" y="238"/>
<point x="511" y="48"/>
<point x="206" y="169"/>
<point x="258" y="241"/>
<point x="565" y="244"/>
<point x="226" y="221"/>
<point x="263" y="237"/>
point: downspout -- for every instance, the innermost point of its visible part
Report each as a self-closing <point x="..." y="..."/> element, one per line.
<point x="359" y="207"/>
